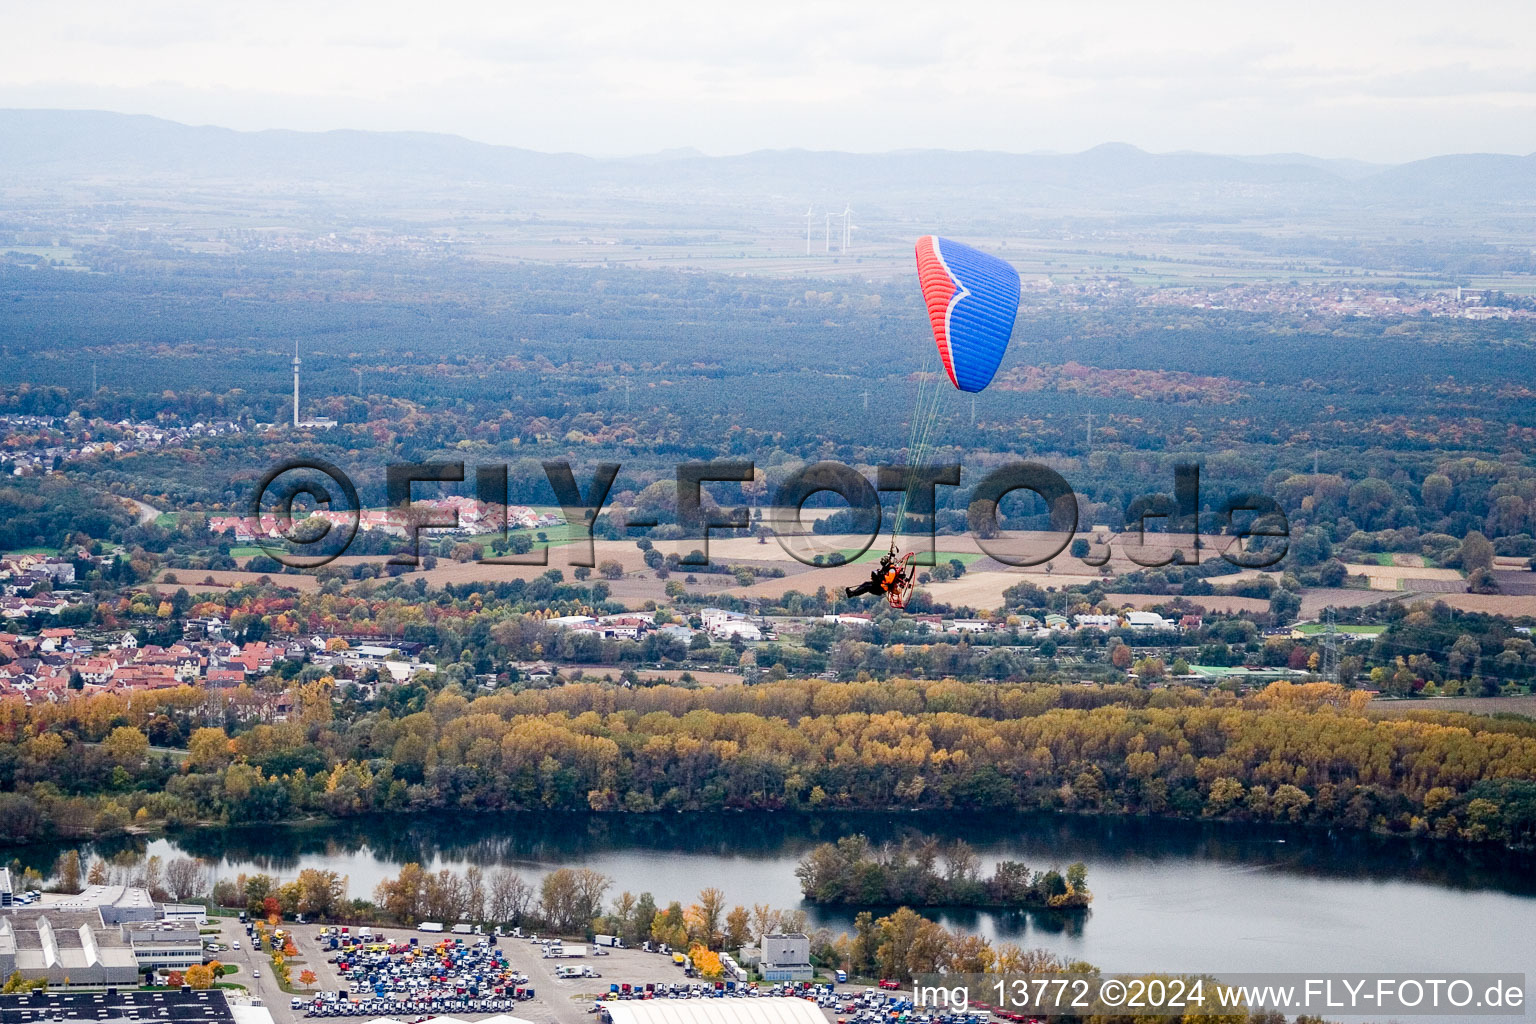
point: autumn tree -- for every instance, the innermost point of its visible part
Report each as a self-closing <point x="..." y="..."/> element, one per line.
<point x="126" y="746"/>
<point x="66" y="870"/>
<point x="570" y="898"/>
<point x="321" y="893"/>
<point x="670" y="926"/>
<point x="911" y="944"/>
<point x="185" y="877"/>
<point x="510" y="897"/>
<point x="972" y="954"/>
<point x="474" y="893"/>
<point x="765" y="920"/>
<point x="402" y="897"/>
<point x="738" y="928"/>
<point x="711" y="907"/>
<point x="706" y="962"/>
<point x="863" y="951"/>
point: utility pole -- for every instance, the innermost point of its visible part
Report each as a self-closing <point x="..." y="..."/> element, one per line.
<point x="626" y="394"/>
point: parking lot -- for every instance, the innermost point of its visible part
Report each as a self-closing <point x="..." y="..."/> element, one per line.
<point x="426" y="982"/>
<point x="556" y="1001"/>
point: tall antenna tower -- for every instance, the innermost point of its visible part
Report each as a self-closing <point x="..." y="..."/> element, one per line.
<point x="295" y="382"/>
<point x="1330" y="647"/>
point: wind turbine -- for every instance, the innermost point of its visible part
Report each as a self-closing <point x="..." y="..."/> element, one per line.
<point x="829" y="231"/>
<point x="847" y="226"/>
<point x="809" y="212"/>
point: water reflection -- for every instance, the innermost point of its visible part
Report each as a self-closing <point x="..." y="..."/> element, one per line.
<point x="538" y="840"/>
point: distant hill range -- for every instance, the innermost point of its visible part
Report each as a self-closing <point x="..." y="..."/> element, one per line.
<point x="107" y="147"/>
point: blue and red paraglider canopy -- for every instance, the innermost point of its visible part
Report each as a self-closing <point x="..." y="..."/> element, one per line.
<point x="972" y="300"/>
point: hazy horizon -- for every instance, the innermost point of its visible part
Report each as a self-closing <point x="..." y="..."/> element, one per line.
<point x="694" y="150"/>
<point x="1373" y="82"/>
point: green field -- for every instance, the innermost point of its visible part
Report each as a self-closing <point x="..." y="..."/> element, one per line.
<point x="556" y="536"/>
<point x="1317" y="629"/>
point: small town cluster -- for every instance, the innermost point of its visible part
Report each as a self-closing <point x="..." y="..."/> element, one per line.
<point x="31" y="445"/>
<point x="470" y="516"/>
<point x="53" y="663"/>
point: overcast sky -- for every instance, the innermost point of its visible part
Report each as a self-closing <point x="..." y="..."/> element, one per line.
<point x="1375" y="81"/>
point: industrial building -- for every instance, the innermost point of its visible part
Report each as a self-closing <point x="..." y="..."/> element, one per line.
<point x="194" y="912"/>
<point x="68" y="948"/>
<point x="118" y="904"/>
<point x="714" y="1011"/>
<point x="80" y="947"/>
<point x="206" y="1007"/>
<point x="164" y="945"/>
<point x="787" y="957"/>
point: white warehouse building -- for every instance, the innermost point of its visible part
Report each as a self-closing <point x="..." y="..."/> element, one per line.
<point x="715" y="1011"/>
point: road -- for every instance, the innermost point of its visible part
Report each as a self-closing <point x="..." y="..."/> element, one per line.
<point x="265" y="987"/>
<point x="146" y="513"/>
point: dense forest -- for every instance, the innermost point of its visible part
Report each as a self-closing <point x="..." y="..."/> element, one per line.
<point x="1419" y="428"/>
<point x="1303" y="754"/>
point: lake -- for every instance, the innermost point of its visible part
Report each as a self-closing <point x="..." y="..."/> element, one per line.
<point x="1169" y="895"/>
